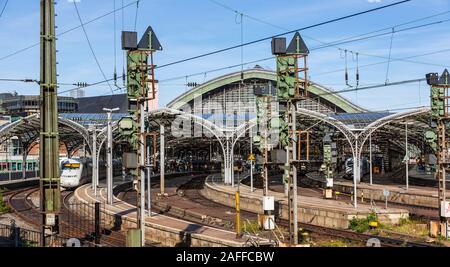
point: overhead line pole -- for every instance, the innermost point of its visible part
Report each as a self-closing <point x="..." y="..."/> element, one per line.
<point x="50" y="195"/>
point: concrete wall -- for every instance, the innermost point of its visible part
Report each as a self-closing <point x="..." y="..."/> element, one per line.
<point x="166" y="236"/>
<point x="394" y="196"/>
<point x="160" y="234"/>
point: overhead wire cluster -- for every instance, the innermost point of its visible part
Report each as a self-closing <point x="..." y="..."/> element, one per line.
<point x="277" y="35"/>
<point x="91" y="48"/>
<point x="3" y="8"/>
<point x="242" y="15"/>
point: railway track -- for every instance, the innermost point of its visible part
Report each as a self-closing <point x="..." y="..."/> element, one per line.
<point x="69" y="217"/>
<point x="19" y="202"/>
<point x="23" y="207"/>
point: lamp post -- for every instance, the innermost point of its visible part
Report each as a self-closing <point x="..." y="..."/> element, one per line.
<point x="109" y="172"/>
<point x="93" y="129"/>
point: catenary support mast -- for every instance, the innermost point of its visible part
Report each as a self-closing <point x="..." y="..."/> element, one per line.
<point x="49" y="137"/>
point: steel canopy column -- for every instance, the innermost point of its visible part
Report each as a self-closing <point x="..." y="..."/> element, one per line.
<point x="109" y="173"/>
<point x="232" y="164"/>
<point x="161" y="158"/>
<point x="227" y="163"/>
<point x="94" y="160"/>
<point x="149" y="188"/>
<point x="24" y="161"/>
<point x="8" y="154"/>
<point x="370" y="158"/>
<point x="355" y="173"/>
<point x="251" y="163"/>
<point x="142" y="170"/>
<point x="109" y="169"/>
<point x="406" y="157"/>
<point x="97" y="164"/>
<point x="291" y="152"/>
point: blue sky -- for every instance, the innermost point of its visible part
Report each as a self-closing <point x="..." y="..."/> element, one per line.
<point x="187" y="28"/>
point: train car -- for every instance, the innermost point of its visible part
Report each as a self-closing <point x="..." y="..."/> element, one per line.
<point x="364" y="168"/>
<point x="76" y="172"/>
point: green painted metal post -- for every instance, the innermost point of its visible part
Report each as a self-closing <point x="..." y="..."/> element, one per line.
<point x="49" y="137"/>
<point x="140" y="82"/>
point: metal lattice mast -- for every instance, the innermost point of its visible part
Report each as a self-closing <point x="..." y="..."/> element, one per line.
<point x="49" y="144"/>
<point x="292" y="88"/>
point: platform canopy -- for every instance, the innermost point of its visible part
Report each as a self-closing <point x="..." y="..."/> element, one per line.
<point x="27" y="130"/>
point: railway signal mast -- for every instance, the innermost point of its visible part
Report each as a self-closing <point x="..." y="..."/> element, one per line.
<point x="50" y="194"/>
<point x="440" y="120"/>
<point x="292" y="89"/>
<point x="140" y="89"/>
<point x="327" y="166"/>
<point x="264" y="121"/>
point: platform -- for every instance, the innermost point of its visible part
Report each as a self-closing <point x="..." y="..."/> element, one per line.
<point x="318" y="211"/>
<point x="162" y="229"/>
<point x="415" y="195"/>
<point x="423" y="178"/>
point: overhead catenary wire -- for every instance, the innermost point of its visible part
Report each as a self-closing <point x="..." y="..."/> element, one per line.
<point x="115" y="47"/>
<point x="3" y="9"/>
<point x="136" y="15"/>
<point x="359" y="53"/>
<point x="123" y="52"/>
<point x="323" y="73"/>
<point x="236" y="65"/>
<point x="372" y="86"/>
<point x="265" y="59"/>
<point x="399" y="109"/>
<point x="202" y="72"/>
<point x="392" y="60"/>
<point x="389" y="57"/>
<point x="405" y="59"/>
<point x="346" y="70"/>
<point x="357" y="69"/>
<point x="91" y="48"/>
<point x="123" y="76"/>
<point x="327" y="43"/>
<point x="358" y="66"/>
<point x="284" y="33"/>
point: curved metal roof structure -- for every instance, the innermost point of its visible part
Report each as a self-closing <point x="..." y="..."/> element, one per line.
<point x="320" y="91"/>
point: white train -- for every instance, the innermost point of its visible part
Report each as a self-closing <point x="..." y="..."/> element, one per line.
<point x="76" y="172"/>
<point x="364" y="168"/>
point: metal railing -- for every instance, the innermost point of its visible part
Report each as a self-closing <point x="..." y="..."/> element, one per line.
<point x="15" y="236"/>
<point x="85" y="221"/>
